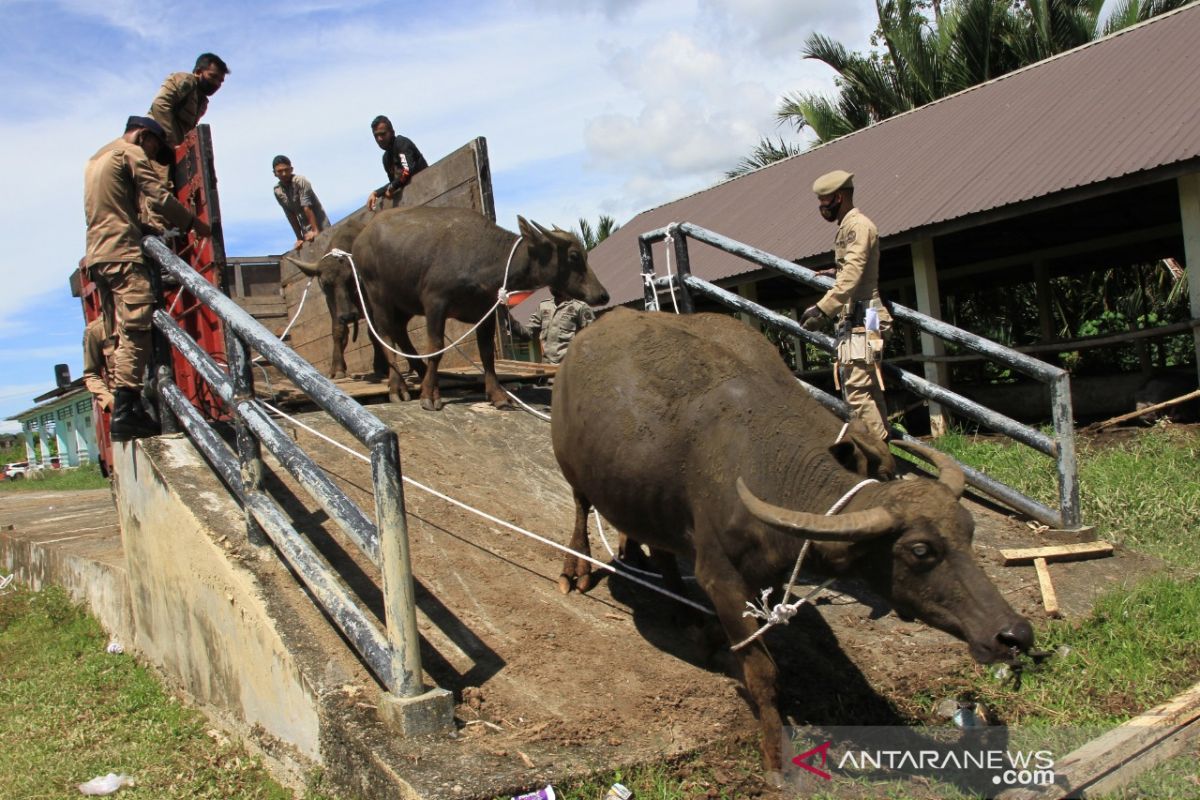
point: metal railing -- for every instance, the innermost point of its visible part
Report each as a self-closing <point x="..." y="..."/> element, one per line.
<point x="393" y="654"/>
<point x="1060" y="447"/>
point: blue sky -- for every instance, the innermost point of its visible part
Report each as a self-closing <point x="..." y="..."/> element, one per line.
<point x="591" y="107"/>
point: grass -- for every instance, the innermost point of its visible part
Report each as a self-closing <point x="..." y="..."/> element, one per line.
<point x="73" y="712"/>
<point x="1141" y="492"/>
<point x="58" y="480"/>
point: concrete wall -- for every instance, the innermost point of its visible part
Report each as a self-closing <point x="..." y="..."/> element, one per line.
<point x="199" y="614"/>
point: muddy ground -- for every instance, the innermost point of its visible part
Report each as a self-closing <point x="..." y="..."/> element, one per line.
<point x="568" y="684"/>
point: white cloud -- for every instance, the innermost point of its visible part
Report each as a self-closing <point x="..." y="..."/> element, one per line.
<point x="603" y="106"/>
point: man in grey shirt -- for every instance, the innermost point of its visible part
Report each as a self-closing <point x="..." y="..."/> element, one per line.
<point x="298" y="201"/>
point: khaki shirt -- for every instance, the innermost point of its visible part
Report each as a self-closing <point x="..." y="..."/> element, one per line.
<point x="558" y="324"/>
<point x="98" y="351"/>
<point x="295" y="198"/>
<point x="179" y="105"/>
<point x="113" y="180"/>
<point x="856" y="251"/>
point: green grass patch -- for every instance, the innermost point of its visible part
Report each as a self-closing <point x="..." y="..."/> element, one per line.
<point x="1141" y="492"/>
<point x="73" y="712"/>
<point x="58" y="480"/>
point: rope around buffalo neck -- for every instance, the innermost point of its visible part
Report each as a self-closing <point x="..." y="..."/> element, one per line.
<point x="490" y="518"/>
<point x="781" y="613"/>
<point x="501" y="297"/>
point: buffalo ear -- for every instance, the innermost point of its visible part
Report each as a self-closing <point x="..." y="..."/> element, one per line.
<point x="539" y="246"/>
<point x="844" y="452"/>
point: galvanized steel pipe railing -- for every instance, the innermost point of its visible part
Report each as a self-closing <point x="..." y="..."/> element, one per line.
<point x="1061" y="447"/>
<point x="387" y="543"/>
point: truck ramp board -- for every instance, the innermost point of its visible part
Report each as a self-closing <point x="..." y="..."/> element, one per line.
<point x="618" y="676"/>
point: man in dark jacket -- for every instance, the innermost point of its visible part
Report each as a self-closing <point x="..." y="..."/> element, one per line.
<point x="401" y="160"/>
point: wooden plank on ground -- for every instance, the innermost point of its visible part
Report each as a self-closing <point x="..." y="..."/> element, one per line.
<point x="1049" y="597"/>
<point x="1112" y="760"/>
<point x="1058" y="552"/>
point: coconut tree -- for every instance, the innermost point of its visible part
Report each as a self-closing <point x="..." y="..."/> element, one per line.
<point x="605" y="227"/>
<point x="929" y="49"/>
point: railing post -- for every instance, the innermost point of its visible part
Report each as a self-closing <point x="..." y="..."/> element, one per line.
<point x="166" y="417"/>
<point x="683" y="266"/>
<point x="409" y="707"/>
<point x="249" y="450"/>
<point x="1065" y="462"/>
<point x="646" y="249"/>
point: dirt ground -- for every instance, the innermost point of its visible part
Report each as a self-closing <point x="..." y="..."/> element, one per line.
<point x="619" y="676"/>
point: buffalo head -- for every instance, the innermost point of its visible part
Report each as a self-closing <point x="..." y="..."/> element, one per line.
<point x="559" y="260"/>
<point x="914" y="548"/>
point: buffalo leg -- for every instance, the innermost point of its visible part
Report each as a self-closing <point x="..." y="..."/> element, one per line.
<point x="729" y="593"/>
<point x="577" y="571"/>
<point x="485" y="337"/>
<point x="435" y="332"/>
<point x="337" y="358"/>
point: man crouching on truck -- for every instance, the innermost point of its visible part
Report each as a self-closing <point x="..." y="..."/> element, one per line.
<point x="116" y="178"/>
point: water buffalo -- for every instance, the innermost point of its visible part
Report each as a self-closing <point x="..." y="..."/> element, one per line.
<point x="337" y="284"/>
<point x="449" y="263"/>
<point x="690" y="434"/>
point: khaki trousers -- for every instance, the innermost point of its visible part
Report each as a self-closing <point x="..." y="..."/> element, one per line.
<point x="861" y="390"/>
<point x="131" y="307"/>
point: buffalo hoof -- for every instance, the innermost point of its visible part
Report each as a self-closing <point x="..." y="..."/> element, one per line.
<point x="584" y="582"/>
<point x="503" y="405"/>
<point x="375" y="377"/>
<point x="564" y="584"/>
<point x="774" y="778"/>
<point x="430" y="404"/>
<point x="340" y="373"/>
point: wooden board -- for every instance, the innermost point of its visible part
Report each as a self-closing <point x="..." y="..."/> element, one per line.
<point x="1058" y="552"/>
<point x="1112" y="760"/>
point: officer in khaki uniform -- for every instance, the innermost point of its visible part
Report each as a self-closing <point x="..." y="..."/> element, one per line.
<point x="178" y="107"/>
<point x="854" y="296"/>
<point x="115" y="179"/>
<point x="557" y="320"/>
<point x="98" y="349"/>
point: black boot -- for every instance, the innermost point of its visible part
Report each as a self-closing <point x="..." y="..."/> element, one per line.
<point x="129" y="421"/>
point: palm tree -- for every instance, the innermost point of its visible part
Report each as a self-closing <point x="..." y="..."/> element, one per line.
<point x="605" y="227"/>
<point x="922" y="59"/>
<point x="766" y="152"/>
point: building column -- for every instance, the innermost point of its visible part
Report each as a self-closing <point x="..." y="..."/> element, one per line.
<point x="750" y="292"/>
<point x="1189" y="214"/>
<point x="30" y="452"/>
<point x="1041" y="284"/>
<point x="929" y="302"/>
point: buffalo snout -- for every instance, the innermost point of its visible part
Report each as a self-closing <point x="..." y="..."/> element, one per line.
<point x="1018" y="635"/>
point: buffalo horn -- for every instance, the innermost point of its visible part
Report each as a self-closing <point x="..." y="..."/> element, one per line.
<point x="555" y="234"/>
<point x="949" y="473"/>
<point x="310" y="268"/>
<point x="851" y="527"/>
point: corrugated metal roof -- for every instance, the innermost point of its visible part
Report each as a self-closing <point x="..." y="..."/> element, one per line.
<point x="1118" y="106"/>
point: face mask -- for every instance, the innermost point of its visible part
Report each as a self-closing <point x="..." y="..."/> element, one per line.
<point x="830" y="210"/>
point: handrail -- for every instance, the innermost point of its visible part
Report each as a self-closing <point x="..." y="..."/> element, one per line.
<point x="1060" y="447"/>
<point x="394" y="657"/>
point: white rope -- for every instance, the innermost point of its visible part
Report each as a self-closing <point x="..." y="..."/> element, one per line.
<point x="501" y="297"/>
<point x="490" y="518"/>
<point x="670" y="244"/>
<point x="511" y="396"/>
<point x="292" y="321"/>
<point x="781" y="613"/>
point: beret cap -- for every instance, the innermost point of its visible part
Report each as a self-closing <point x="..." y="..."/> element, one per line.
<point x="830" y="182"/>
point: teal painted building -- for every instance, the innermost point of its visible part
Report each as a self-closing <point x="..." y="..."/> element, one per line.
<point x="64" y="416"/>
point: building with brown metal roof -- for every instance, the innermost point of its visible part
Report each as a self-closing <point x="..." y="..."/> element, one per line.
<point x="1087" y="160"/>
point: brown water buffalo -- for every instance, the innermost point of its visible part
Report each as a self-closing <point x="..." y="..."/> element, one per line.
<point x="337" y="284"/>
<point x="690" y="434"/>
<point x="449" y="263"/>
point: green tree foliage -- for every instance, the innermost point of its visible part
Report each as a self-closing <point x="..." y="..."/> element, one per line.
<point x="605" y="227"/>
<point x="926" y="50"/>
